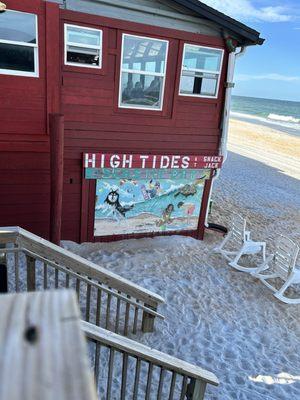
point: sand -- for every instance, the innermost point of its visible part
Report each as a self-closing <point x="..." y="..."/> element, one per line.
<point x="267" y="145"/>
<point x="216" y="317"/>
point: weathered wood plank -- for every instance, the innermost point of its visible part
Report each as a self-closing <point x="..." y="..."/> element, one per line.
<point x="148" y="354"/>
<point x="80" y="265"/>
<point x="43" y="348"/>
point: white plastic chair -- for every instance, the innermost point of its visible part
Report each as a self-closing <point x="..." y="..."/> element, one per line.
<point x="241" y="241"/>
<point x="282" y="265"/>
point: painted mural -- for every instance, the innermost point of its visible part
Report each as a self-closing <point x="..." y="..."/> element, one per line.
<point x="142" y="201"/>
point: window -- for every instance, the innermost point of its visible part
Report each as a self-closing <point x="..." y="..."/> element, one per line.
<point x="83" y="46"/>
<point x="201" y="69"/>
<point x="143" y="72"/>
<point x="18" y="43"/>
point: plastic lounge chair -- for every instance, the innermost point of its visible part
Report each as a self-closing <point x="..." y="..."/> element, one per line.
<point x="282" y="265"/>
<point x="240" y="239"/>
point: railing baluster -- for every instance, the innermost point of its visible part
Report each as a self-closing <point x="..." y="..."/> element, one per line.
<point x="110" y="373"/>
<point x="107" y="310"/>
<point x="126" y="318"/>
<point x="98" y="308"/>
<point x="56" y="278"/>
<point x="88" y="302"/>
<point x="16" y="259"/>
<point x="149" y="381"/>
<point x="161" y="383"/>
<point x="117" y="315"/>
<point x="67" y="280"/>
<point x="124" y="376"/>
<point x="45" y="276"/>
<point x="30" y="261"/>
<point x="184" y="387"/>
<point x="136" y="379"/>
<point x="135" y="320"/>
<point x="78" y="288"/>
<point x="172" y="387"/>
<point x="97" y="363"/>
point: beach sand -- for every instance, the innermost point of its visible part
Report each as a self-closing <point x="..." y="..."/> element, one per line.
<point x="218" y="318"/>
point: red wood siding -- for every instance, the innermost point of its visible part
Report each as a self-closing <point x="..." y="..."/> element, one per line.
<point x="93" y="121"/>
<point x="24" y="143"/>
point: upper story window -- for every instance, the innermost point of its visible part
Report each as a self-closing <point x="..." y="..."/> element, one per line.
<point x="83" y="46"/>
<point x="201" y="69"/>
<point x="142" y="72"/>
<point x="18" y="43"/>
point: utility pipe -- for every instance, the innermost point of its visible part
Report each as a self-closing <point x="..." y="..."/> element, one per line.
<point x="225" y="119"/>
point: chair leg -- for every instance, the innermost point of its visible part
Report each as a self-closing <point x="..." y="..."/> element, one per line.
<point x="280" y="293"/>
<point x="251" y="270"/>
<point x="219" y="249"/>
<point x="263" y="278"/>
<point x="263" y="246"/>
<point x="234" y="262"/>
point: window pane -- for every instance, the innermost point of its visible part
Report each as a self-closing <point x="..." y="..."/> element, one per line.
<point x="81" y="55"/>
<point x="196" y="57"/>
<point x="83" y="36"/>
<point x="144" y="54"/>
<point x="141" y="90"/>
<point x="17" y="58"/>
<point x="199" y="83"/>
<point x="18" y="26"/>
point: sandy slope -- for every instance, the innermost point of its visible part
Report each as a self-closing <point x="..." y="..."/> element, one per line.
<point x="216" y="317"/>
<point x="266" y="145"/>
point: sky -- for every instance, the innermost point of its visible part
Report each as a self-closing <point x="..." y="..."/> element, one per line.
<point x="272" y="70"/>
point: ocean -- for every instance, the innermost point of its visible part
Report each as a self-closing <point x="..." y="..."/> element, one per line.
<point x="281" y="115"/>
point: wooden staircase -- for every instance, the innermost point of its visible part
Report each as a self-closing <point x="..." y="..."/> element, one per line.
<point x="110" y="306"/>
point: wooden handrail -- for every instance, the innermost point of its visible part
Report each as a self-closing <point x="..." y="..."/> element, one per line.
<point x="145" y="353"/>
<point x="62" y="256"/>
<point x="101" y="293"/>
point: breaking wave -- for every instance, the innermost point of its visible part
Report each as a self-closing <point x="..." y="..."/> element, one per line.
<point x="284" y="118"/>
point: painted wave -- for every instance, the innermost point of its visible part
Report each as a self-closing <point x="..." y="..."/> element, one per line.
<point x="155" y="206"/>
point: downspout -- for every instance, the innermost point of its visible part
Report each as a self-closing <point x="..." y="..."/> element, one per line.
<point x="225" y="119"/>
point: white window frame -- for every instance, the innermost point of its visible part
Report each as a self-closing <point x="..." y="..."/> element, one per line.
<point x="34" y="74"/>
<point x="87" y="46"/>
<point x="202" y="71"/>
<point x="133" y="71"/>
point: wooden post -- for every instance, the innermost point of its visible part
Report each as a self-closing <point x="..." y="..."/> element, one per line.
<point x="204" y="205"/>
<point x="30" y="261"/>
<point x="148" y="320"/>
<point x="3" y="271"/>
<point x="57" y="163"/>
<point x="196" y="389"/>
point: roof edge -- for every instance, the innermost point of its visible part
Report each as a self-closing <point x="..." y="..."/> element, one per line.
<point x="248" y="35"/>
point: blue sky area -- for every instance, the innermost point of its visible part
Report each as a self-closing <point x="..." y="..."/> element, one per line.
<point x="273" y="69"/>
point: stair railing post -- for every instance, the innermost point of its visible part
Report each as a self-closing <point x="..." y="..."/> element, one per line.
<point x="148" y="320"/>
<point x="196" y="389"/>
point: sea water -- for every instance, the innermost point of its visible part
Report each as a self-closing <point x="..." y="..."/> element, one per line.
<point x="281" y="115"/>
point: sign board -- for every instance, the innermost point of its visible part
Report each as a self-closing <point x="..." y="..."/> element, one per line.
<point x="135" y="173"/>
<point x="146" y="161"/>
<point x="137" y="193"/>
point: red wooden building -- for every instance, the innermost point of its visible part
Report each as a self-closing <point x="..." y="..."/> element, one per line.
<point x="113" y="115"/>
